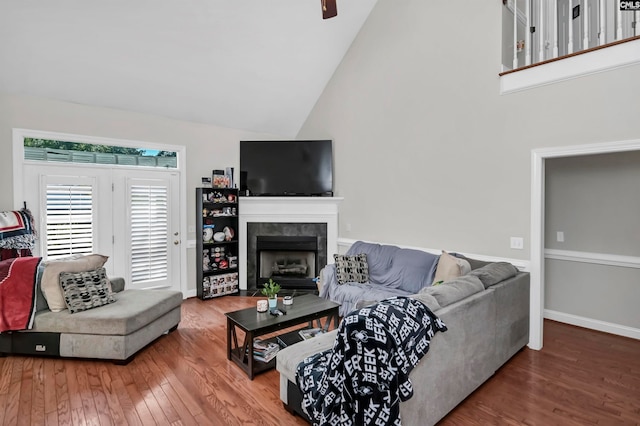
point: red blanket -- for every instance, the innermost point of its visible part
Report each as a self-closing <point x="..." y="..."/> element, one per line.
<point x="17" y="293"/>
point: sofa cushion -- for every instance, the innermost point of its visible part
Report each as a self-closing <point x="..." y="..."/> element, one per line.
<point x="349" y="294"/>
<point x="454" y="290"/>
<point x="427" y="299"/>
<point x="474" y="263"/>
<point x="85" y="290"/>
<point x="41" y="302"/>
<point x="133" y="309"/>
<point x="408" y="270"/>
<point x="493" y="273"/>
<point x="50" y="283"/>
<point x="450" y="267"/>
<point x="351" y="269"/>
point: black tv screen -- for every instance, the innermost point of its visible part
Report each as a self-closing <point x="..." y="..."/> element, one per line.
<point x="289" y="168"/>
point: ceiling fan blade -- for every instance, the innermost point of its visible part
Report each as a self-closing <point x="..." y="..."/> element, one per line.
<point x="329" y="9"/>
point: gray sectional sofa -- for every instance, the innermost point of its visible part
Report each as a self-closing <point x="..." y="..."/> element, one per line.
<point x="487" y="315"/>
<point x="115" y="331"/>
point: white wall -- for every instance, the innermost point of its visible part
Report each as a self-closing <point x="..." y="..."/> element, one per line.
<point x="427" y="152"/>
<point x="208" y="147"/>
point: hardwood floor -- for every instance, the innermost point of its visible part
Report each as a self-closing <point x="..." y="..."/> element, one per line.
<point x="581" y="377"/>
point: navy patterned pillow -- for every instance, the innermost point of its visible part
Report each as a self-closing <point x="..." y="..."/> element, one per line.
<point x="351" y="269"/>
<point x="86" y="290"/>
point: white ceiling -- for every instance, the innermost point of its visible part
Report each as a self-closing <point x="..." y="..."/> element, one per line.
<point x="257" y="65"/>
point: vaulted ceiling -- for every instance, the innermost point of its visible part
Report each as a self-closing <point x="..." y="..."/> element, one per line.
<point x="256" y="65"/>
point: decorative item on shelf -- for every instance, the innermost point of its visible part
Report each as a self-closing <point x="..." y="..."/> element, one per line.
<point x="271" y="289"/>
<point x="219" y="237"/>
<point x="287" y="300"/>
<point x="229" y="233"/>
<point x="206" y="182"/>
<point x="228" y="172"/>
<point x="231" y="198"/>
<point x="207" y="234"/>
<point x="206" y="261"/>
<point x="219" y="179"/>
<point x="216" y="197"/>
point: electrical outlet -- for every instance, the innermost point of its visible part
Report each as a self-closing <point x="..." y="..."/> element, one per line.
<point x="560" y="236"/>
<point x="348" y="227"/>
<point x="517" y="243"/>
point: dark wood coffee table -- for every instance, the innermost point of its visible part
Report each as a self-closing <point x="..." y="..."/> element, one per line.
<point x="305" y="308"/>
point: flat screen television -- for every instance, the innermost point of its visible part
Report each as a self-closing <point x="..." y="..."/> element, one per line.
<point x="286" y="168"/>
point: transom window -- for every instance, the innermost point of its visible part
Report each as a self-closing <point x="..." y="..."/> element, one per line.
<point x="77" y="152"/>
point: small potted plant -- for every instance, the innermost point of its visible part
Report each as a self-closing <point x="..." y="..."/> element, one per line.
<point x="271" y="289"/>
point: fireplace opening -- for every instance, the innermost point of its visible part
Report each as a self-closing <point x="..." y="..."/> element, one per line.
<point x="291" y="261"/>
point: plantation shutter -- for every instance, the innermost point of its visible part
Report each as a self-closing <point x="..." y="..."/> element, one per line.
<point x="69" y="220"/>
<point x="149" y="239"/>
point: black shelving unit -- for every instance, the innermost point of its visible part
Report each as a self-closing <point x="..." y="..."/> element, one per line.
<point x="217" y="242"/>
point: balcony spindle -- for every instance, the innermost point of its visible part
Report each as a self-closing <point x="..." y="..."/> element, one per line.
<point x="570" y="16"/>
<point x="602" y="33"/>
<point x="515" y="34"/>
<point x="618" y="22"/>
<point x="585" y="32"/>
<point x="555" y="28"/>
<point x="540" y="26"/>
<point x="528" y="36"/>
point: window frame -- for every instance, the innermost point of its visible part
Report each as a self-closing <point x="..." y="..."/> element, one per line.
<point x="18" y="135"/>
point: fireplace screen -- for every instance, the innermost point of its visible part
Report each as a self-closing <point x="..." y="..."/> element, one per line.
<point x="284" y="264"/>
<point x="290" y="261"/>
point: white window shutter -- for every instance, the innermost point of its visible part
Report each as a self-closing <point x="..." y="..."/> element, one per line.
<point x="69" y="220"/>
<point x="149" y="239"/>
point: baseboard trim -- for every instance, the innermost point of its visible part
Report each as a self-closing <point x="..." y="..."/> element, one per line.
<point x="191" y="293"/>
<point x="522" y="265"/>
<point x="593" y="324"/>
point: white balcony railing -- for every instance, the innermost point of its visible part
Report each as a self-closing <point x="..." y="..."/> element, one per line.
<point x="535" y="31"/>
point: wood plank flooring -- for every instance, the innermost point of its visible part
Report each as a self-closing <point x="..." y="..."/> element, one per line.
<point x="581" y="377"/>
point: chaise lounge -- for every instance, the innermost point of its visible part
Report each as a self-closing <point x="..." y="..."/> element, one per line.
<point x="114" y="331"/>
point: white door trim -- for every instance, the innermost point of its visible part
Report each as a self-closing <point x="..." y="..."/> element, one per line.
<point x="18" y="161"/>
<point x="538" y="157"/>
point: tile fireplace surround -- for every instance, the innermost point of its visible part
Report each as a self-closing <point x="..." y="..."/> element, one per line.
<point x="287" y="210"/>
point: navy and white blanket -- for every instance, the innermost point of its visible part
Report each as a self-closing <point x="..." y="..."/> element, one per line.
<point x="363" y="378"/>
<point x="16" y="230"/>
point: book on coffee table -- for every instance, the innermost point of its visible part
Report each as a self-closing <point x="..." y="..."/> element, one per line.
<point x="288" y="339"/>
<point x="310" y="333"/>
<point x="264" y="351"/>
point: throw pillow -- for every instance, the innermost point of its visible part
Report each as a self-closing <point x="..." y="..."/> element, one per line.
<point x="351" y="269"/>
<point x="493" y="273"/>
<point x="450" y="267"/>
<point x="50" y="282"/>
<point x="86" y="290"/>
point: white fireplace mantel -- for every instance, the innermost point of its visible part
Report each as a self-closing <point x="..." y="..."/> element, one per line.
<point x="287" y="210"/>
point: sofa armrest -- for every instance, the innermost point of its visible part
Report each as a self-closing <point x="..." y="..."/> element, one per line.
<point x="328" y="279"/>
<point x="117" y="284"/>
